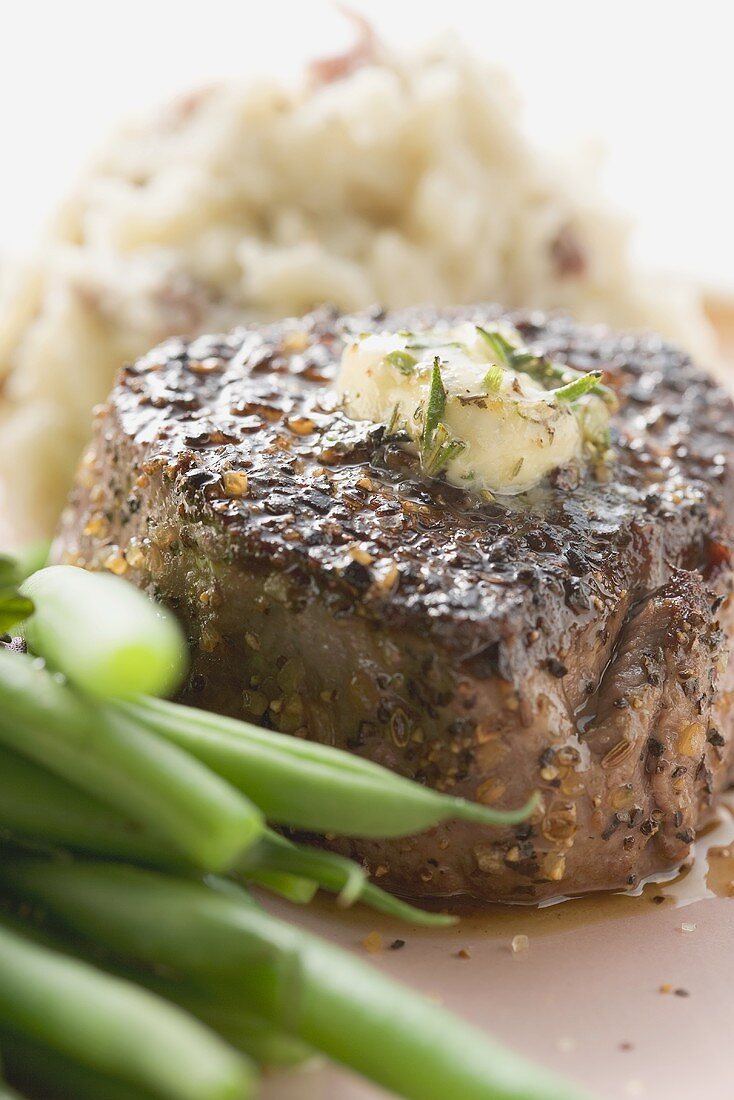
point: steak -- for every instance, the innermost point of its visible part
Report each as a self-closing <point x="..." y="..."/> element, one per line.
<point x="572" y="640"/>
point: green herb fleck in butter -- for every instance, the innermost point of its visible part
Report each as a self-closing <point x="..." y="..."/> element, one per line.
<point x="477" y="407"/>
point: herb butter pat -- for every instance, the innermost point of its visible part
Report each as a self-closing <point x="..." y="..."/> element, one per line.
<point x="478" y="408"/>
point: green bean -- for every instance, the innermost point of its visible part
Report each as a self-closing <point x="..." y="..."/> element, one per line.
<point x="114" y="1027"/>
<point x="107" y="755"/>
<point x="104" y="634"/>
<point x="224" y="1014"/>
<point x="6" y="1093"/>
<point x="14" y="608"/>
<point x="44" y="1073"/>
<point x="310" y="786"/>
<point x="221" y="1010"/>
<point x="247" y="1032"/>
<point x="37" y="806"/>
<point x="338" y="875"/>
<point x="303" y="986"/>
<point x="289" y="884"/>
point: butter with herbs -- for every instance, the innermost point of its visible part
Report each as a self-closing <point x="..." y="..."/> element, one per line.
<point x="480" y="410"/>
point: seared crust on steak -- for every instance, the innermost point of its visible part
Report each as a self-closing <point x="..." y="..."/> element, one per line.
<point x="573" y="640"/>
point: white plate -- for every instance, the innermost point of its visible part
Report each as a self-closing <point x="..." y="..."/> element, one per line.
<point x="586" y="996"/>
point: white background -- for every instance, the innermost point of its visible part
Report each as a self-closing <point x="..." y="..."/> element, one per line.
<point x="653" y="81"/>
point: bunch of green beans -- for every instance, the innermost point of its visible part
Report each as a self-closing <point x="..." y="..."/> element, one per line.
<point x="334" y="873"/>
<point x="306" y="784"/>
<point x="299" y="984"/>
<point x="145" y="979"/>
<point x="116" y="1028"/>
<point x="145" y="776"/>
<point x="38" y="807"/>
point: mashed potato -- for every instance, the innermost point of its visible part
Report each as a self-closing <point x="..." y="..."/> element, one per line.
<point x="391" y="179"/>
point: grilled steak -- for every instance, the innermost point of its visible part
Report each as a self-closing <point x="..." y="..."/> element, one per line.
<point x="572" y="640"/>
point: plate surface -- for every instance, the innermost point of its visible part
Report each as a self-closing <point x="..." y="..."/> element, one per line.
<point x="630" y="997"/>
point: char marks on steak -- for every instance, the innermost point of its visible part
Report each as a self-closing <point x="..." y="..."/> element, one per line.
<point x="572" y="640"/>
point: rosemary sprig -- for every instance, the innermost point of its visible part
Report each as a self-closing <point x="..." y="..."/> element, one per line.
<point x="435" y="406"/>
<point x="394" y="426"/>
<point x="500" y="346"/>
<point x="403" y="361"/>
<point x="437" y="446"/>
<point x="542" y="369"/>
<point x="545" y="371"/>
<point x="492" y="381"/>
<point x="443" y="450"/>
<point x="572" y="391"/>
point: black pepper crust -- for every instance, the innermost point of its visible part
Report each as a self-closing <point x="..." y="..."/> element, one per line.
<point x="317" y="483"/>
<point x="573" y="639"/>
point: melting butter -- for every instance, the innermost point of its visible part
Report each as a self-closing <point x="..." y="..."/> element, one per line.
<point x="460" y="400"/>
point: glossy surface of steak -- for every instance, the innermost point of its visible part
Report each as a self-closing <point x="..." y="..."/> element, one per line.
<point x="572" y="640"/>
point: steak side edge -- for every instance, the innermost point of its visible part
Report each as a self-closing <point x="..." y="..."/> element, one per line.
<point x="573" y="640"/>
